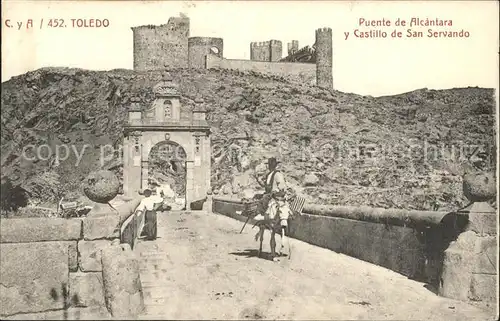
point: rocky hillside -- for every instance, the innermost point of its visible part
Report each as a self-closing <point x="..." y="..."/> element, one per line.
<point x="335" y="147"/>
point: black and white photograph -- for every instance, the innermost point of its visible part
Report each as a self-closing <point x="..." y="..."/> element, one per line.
<point x="249" y="160"/>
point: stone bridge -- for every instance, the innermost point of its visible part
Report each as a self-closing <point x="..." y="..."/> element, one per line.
<point x="347" y="263"/>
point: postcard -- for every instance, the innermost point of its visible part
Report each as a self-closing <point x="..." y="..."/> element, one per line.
<point x="248" y="160"/>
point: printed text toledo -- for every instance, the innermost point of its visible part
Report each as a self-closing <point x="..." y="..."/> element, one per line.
<point x="413" y="28"/>
<point x="55" y="23"/>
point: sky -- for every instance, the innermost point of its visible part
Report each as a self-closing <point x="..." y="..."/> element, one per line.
<point x="367" y="66"/>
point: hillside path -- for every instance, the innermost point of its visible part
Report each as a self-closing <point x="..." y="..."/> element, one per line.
<point x="200" y="267"/>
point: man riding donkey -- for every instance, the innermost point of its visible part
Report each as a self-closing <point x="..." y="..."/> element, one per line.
<point x="275" y="208"/>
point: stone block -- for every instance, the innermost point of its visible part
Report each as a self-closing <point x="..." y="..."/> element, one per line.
<point x="483" y="223"/>
<point x="101" y="227"/>
<point x="34" y="277"/>
<point x="485" y="255"/>
<point x="456" y="276"/>
<point x="483" y="287"/>
<point x="86" y="289"/>
<point x="21" y="230"/>
<point x="122" y="283"/>
<point x="465" y="241"/>
<point x="73" y="256"/>
<point x="89" y="259"/>
<point x="470" y="268"/>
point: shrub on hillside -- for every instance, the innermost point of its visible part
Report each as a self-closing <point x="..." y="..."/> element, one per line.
<point x="12" y="197"/>
<point x="45" y="187"/>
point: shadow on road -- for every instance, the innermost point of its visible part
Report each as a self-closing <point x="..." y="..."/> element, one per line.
<point x="249" y="253"/>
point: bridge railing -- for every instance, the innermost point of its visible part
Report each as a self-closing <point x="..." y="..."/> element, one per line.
<point x="76" y="262"/>
<point x="454" y="252"/>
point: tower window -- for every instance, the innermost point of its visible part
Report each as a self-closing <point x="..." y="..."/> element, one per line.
<point x="214" y="50"/>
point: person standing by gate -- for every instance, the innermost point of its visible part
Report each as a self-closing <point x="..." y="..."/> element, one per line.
<point x="147" y="207"/>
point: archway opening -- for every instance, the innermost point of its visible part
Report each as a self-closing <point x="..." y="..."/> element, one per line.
<point x="167" y="173"/>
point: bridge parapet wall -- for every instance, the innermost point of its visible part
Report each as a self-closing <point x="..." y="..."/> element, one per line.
<point x="454" y="252"/>
<point x="57" y="268"/>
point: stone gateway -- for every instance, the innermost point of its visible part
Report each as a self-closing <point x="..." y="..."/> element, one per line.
<point x="159" y="123"/>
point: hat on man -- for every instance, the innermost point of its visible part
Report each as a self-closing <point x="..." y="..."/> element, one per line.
<point x="272" y="161"/>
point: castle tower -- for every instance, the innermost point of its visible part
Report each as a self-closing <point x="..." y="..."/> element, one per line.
<point x="259" y="51"/>
<point x="293" y="47"/>
<point x="159" y="47"/>
<point x="275" y="50"/>
<point x="266" y="50"/>
<point x="324" y="58"/>
<point x="200" y="47"/>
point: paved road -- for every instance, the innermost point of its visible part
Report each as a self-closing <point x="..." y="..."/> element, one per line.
<point x="200" y="267"/>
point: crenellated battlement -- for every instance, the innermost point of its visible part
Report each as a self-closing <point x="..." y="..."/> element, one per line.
<point x="305" y="54"/>
<point x="265" y="43"/>
<point x="270" y="50"/>
<point x="324" y="30"/>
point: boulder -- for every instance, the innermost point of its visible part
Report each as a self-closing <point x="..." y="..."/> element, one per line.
<point x="311" y="180"/>
<point x="479" y="187"/>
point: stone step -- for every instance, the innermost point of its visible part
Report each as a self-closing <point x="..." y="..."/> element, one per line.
<point x="154" y="277"/>
<point x="152" y="317"/>
<point x="156" y="254"/>
<point x="145" y="261"/>
<point x="155" y="293"/>
<point x="157" y="268"/>
<point x="153" y="310"/>
<point x="155" y="301"/>
<point x="156" y="284"/>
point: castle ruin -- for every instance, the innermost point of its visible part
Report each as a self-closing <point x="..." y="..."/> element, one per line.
<point x="266" y="51"/>
<point x="170" y="46"/>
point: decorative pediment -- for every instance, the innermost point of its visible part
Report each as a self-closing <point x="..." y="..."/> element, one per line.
<point x="166" y="87"/>
<point x="169" y="90"/>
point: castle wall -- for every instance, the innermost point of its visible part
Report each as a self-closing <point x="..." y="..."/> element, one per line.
<point x="303" y="72"/>
<point x="199" y="47"/>
<point x="157" y="47"/>
<point x="324" y="58"/>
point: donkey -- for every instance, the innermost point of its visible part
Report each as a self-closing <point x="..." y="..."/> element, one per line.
<point x="275" y="226"/>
